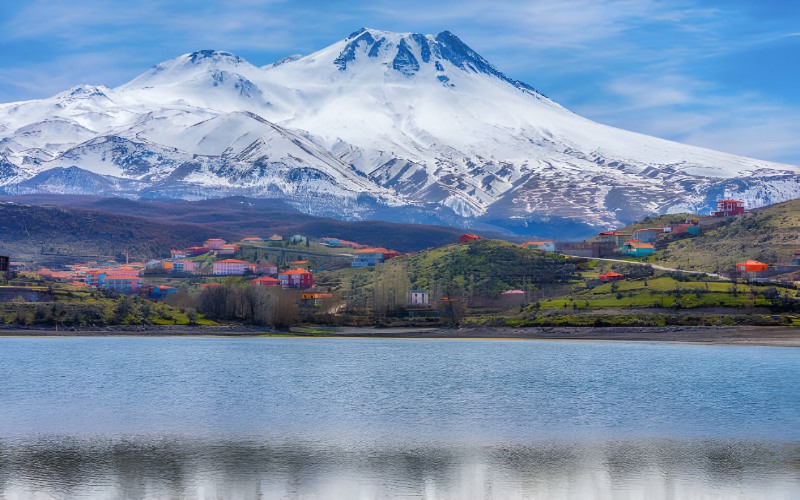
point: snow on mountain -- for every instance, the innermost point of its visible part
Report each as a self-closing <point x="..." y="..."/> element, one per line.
<point x="393" y="125"/>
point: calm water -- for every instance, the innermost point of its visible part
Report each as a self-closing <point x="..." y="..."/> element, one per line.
<point x="377" y="418"/>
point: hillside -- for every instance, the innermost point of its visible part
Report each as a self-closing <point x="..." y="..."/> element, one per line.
<point x="480" y="269"/>
<point x="33" y="226"/>
<point x="768" y="234"/>
<point x="46" y="233"/>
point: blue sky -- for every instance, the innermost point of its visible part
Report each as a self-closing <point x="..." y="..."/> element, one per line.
<point x="722" y="74"/>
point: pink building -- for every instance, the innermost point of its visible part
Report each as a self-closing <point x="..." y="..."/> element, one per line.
<point x="230" y="267"/>
<point x="185" y="266"/>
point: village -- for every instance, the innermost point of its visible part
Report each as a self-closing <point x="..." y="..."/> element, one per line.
<point x="315" y="269"/>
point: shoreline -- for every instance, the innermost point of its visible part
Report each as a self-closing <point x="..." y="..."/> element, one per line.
<point x="778" y="336"/>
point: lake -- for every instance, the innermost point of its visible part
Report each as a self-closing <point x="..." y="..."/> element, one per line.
<point x="137" y="417"/>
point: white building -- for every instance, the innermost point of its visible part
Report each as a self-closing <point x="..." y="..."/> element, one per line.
<point x="418" y="297"/>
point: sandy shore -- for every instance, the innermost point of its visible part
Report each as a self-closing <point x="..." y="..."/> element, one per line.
<point x="737" y="335"/>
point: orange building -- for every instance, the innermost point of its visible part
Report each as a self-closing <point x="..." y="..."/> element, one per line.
<point x="265" y="281"/>
<point x="751" y="266"/>
<point x="469" y="237"/>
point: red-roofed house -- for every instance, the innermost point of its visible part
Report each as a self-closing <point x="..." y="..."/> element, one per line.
<point x="122" y="280"/>
<point x="611" y="276"/>
<point x="729" y="208"/>
<point x="545" y="246"/>
<point x="369" y="257"/>
<point x="751" y="266"/>
<point x="637" y="249"/>
<point x="296" y="278"/>
<point x="195" y="251"/>
<point x="469" y="237"/>
<point x="265" y="281"/>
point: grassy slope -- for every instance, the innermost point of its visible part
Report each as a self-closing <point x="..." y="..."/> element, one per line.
<point x="769" y="235"/>
<point x="479" y="268"/>
<point x="663" y="291"/>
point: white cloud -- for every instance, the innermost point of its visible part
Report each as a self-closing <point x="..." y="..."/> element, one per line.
<point x="686" y="110"/>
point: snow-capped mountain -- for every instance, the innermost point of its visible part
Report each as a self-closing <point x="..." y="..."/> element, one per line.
<point x="401" y="126"/>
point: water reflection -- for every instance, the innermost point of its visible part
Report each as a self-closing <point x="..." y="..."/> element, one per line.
<point x="146" y="467"/>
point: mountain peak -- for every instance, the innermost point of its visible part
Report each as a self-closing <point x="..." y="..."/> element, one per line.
<point x="214" y="56"/>
<point x="406" y="53"/>
<point x="84" y="92"/>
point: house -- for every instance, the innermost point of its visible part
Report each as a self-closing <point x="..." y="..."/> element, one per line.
<point x="314" y="298"/>
<point x="4" y="260"/>
<point x="369" y="257"/>
<point x="264" y="269"/>
<point x="469" y="237"/>
<point x="618" y="239"/>
<point x="691" y="229"/>
<point x="276" y="237"/>
<point x="637" y="249"/>
<point x="230" y="267"/>
<point x="228" y="249"/>
<point x="177" y="254"/>
<point x="265" y="281"/>
<point x="331" y="242"/>
<point x="512" y="298"/>
<point x="252" y="239"/>
<point x="418" y="297"/>
<point x="751" y="266"/>
<point x="729" y="208"/>
<point x="611" y="276"/>
<point x="122" y="283"/>
<point x="195" y="251"/>
<point x="296" y="278"/>
<point x="647" y="235"/>
<point x="299" y="263"/>
<point x="120" y="280"/>
<point x="214" y="243"/>
<point x="545" y="246"/>
<point x="298" y="238"/>
<point x="185" y="266"/>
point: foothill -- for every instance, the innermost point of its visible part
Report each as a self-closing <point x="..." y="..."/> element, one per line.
<point x="638" y="275"/>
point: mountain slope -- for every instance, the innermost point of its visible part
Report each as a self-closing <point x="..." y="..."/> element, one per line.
<point x="398" y="126"/>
